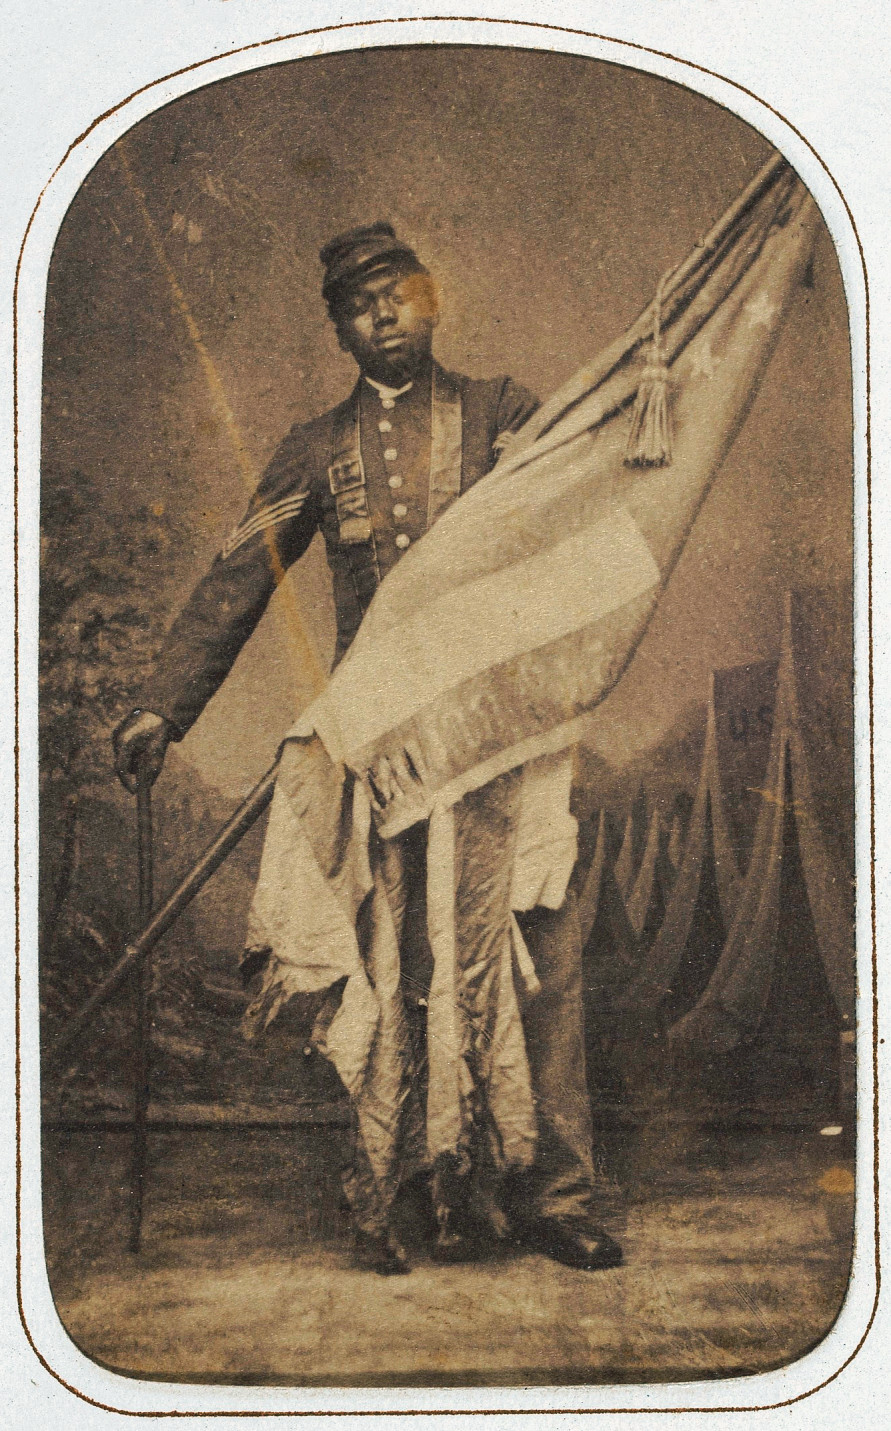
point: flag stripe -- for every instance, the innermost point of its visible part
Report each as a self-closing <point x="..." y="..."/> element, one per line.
<point x="490" y="621"/>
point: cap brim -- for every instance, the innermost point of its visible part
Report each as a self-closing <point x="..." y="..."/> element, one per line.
<point x="362" y="261"/>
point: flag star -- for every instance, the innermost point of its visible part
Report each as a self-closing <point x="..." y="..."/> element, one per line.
<point x="761" y="311"/>
<point x="704" y="361"/>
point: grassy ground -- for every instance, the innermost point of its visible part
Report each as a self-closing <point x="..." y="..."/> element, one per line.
<point x="737" y="1254"/>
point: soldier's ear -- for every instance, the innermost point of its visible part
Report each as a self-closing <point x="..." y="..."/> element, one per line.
<point x="433" y="298"/>
<point x="422" y="289"/>
<point x="343" y="337"/>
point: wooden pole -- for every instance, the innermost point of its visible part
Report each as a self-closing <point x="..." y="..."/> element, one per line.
<point x="135" y="953"/>
<point x="673" y="286"/>
<point x="142" y="1011"/>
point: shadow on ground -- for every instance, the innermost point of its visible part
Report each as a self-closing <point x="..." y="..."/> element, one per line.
<point x="737" y="1245"/>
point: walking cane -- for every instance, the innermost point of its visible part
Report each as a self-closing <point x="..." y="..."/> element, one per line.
<point x="136" y="952"/>
<point x="142" y="1010"/>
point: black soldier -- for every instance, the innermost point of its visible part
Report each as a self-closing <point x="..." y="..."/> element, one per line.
<point x="373" y="474"/>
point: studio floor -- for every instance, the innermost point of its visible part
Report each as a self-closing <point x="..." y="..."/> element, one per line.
<point x="737" y="1252"/>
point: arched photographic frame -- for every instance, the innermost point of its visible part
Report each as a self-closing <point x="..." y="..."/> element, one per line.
<point x="39" y="243"/>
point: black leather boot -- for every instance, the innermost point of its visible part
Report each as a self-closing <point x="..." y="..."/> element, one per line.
<point x="380" y="1252"/>
<point x="574" y="1241"/>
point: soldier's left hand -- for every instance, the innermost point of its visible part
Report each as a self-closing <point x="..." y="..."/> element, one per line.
<point x="140" y="744"/>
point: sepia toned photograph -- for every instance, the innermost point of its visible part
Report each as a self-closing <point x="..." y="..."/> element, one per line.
<point x="447" y="873"/>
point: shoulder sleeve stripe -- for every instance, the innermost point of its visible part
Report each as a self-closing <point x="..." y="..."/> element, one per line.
<point x="267" y="517"/>
<point x="285" y="508"/>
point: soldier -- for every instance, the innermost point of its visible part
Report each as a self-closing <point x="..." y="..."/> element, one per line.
<point x="372" y="475"/>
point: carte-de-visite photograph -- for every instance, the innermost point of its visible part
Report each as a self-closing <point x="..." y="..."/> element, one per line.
<point x="447" y="870"/>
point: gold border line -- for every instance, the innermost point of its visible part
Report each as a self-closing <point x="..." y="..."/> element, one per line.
<point x="691" y="65"/>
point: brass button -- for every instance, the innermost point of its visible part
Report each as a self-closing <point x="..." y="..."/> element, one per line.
<point x="388" y="402"/>
<point x="390" y="454"/>
<point x="400" y="510"/>
<point x="384" y="426"/>
<point x="395" y="480"/>
<point x="402" y="541"/>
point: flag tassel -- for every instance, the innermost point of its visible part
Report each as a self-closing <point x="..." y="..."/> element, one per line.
<point x="649" y="441"/>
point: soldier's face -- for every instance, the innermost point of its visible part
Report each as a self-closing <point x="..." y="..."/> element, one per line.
<point x="387" y="324"/>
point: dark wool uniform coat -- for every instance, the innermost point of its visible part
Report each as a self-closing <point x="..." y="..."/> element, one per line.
<point x="297" y="496"/>
<point x="294" y="500"/>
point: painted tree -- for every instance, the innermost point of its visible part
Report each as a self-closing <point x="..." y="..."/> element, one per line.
<point x="99" y="623"/>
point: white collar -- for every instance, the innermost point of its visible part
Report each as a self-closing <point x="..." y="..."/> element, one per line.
<point x="384" y="392"/>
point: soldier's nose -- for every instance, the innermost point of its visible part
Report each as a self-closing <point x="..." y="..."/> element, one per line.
<point x="384" y="312"/>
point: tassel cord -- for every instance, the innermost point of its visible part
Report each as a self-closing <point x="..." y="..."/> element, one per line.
<point x="649" y="441"/>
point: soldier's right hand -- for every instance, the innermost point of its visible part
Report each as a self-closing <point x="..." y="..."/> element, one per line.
<point x="140" y="744"/>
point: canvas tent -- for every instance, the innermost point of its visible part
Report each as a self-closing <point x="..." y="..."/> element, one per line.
<point x="785" y="977"/>
<point x="743" y="704"/>
<point x="606" y="930"/>
<point x="633" y="843"/>
<point x="679" y="820"/>
<point x="610" y="959"/>
<point x="647" y="900"/>
<point x="702" y="904"/>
